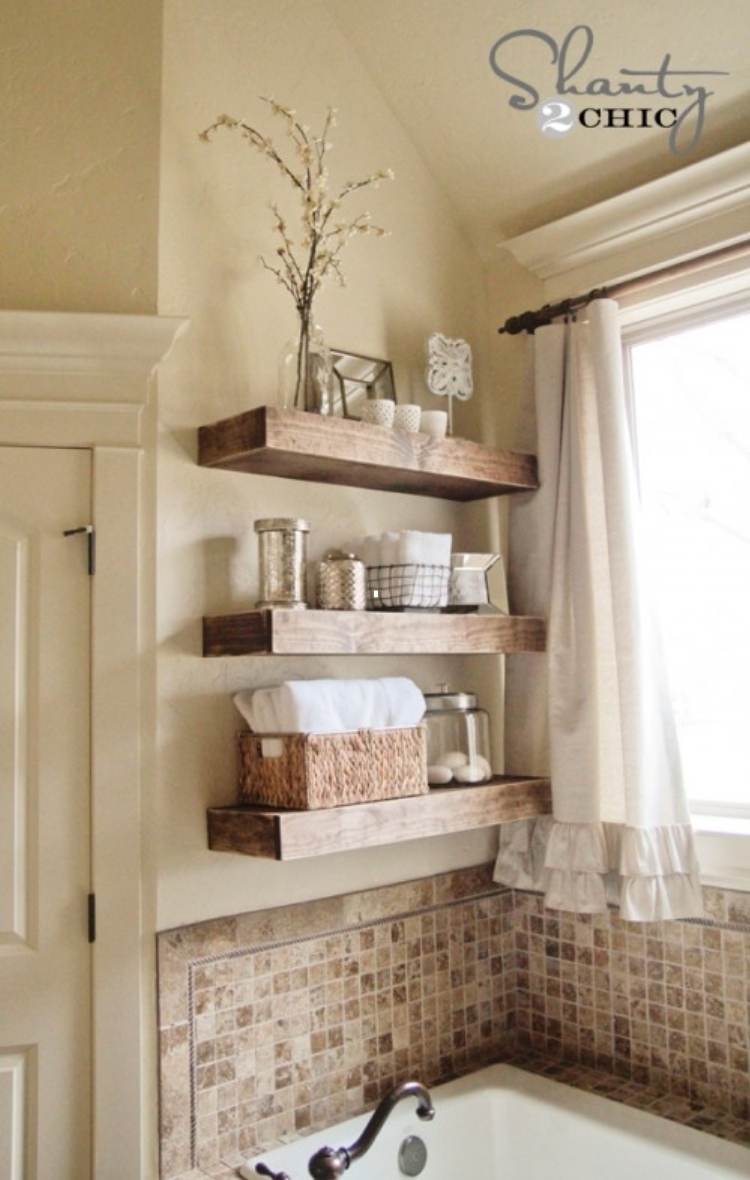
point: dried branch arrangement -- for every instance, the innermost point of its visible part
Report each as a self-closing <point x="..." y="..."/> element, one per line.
<point x="302" y="265"/>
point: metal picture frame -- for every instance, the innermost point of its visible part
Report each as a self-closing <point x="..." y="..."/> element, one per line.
<point x="357" y="379"/>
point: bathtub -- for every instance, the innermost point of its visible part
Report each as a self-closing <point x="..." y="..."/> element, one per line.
<point x="502" y="1123"/>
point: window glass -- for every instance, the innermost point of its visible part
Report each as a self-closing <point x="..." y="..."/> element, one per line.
<point x="692" y="409"/>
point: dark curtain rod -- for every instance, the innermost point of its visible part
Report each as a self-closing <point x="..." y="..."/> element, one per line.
<point x="529" y="321"/>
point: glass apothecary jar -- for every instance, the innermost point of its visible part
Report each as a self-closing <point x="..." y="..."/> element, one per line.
<point x="458" y="739"/>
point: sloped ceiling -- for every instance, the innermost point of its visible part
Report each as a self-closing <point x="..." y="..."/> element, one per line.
<point x="430" y="59"/>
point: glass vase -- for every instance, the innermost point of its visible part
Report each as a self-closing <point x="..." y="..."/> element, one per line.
<point x="306" y="371"/>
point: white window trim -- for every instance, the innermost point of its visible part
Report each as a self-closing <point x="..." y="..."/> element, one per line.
<point x="677" y="216"/>
<point x="722" y="830"/>
<point x="676" y="310"/>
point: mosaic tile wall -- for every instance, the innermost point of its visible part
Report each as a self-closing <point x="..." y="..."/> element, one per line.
<point x="662" y="1004"/>
<point x="278" y="1023"/>
<point x="274" y="1024"/>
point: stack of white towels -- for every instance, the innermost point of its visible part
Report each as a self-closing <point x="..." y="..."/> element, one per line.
<point x="332" y="706"/>
<point x="407" y="548"/>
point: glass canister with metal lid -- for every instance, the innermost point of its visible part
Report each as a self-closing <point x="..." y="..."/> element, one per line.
<point x="458" y="739"/>
<point x="282" y="552"/>
<point x="341" y="582"/>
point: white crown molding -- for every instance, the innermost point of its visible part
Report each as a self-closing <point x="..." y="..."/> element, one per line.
<point x="78" y="342"/>
<point x="713" y="193"/>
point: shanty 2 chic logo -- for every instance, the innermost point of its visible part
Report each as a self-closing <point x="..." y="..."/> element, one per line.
<point x="679" y="97"/>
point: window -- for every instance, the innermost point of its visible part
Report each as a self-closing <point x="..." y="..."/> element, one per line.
<point x="691" y="398"/>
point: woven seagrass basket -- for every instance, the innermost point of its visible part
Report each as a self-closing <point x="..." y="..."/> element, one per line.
<point x="302" y="771"/>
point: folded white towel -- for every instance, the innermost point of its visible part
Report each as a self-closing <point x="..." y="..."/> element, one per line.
<point x="332" y="706"/>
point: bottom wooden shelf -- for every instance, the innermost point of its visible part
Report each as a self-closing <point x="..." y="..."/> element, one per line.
<point x="293" y="835"/>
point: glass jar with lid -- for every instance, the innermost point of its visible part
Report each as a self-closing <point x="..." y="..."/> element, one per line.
<point x="458" y="739"/>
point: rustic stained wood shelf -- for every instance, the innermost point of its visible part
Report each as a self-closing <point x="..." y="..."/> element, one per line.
<point x="324" y="632"/>
<point x="287" y="443"/>
<point x="340" y="451"/>
<point x="293" y="835"/>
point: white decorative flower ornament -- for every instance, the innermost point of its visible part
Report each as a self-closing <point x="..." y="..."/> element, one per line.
<point x="449" y="367"/>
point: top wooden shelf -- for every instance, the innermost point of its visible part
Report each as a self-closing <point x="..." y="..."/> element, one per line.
<point x="287" y="443"/>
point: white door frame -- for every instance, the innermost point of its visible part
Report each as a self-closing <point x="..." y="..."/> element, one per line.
<point x="78" y="380"/>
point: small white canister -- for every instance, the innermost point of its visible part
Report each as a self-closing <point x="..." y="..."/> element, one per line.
<point x="341" y="582"/>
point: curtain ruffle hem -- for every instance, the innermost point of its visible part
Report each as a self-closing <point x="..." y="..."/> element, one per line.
<point x="650" y="873"/>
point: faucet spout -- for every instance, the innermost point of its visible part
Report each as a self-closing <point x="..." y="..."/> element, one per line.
<point x="425" y="1110"/>
<point x="330" y="1162"/>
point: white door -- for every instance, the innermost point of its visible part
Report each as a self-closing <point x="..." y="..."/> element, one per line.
<point x="45" y="958"/>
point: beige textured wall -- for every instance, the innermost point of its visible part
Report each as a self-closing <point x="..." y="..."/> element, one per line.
<point x="214" y="223"/>
<point x="80" y="152"/>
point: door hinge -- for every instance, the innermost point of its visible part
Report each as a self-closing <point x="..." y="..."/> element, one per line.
<point x="91" y="909"/>
<point x="90" y="532"/>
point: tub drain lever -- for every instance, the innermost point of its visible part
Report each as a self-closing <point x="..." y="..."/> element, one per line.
<point x="264" y="1170"/>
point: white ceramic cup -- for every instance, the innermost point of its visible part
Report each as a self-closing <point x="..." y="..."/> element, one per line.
<point x="407" y="417"/>
<point x="379" y="412"/>
<point x="434" y="423"/>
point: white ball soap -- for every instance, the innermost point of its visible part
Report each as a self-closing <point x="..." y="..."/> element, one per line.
<point x="453" y="759"/>
<point x="439" y="776"/>
<point x="473" y="772"/>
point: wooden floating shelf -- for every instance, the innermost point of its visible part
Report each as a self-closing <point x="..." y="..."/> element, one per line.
<point x="360" y="633"/>
<point x="287" y="443"/>
<point x="293" y="835"/>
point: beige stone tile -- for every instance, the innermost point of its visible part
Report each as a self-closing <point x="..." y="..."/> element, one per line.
<point x="291" y="1038"/>
<point x="380" y="904"/>
<point x="738" y="908"/>
<point x="174" y="1158"/>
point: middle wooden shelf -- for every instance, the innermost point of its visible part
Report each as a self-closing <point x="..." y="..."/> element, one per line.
<point x="323" y="632"/>
<point x="293" y="835"/>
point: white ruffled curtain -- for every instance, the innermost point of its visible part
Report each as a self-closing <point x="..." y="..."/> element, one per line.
<point x="594" y="712"/>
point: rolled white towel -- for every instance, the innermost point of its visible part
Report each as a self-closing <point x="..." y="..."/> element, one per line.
<point x="259" y="709"/>
<point x="442" y="546"/>
<point x="389" y="548"/>
<point x="424" y="548"/>
<point x="332" y="706"/>
<point x="410" y="548"/>
<point x="371" y="551"/>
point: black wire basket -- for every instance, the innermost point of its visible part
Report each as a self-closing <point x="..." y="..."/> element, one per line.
<point x="407" y="587"/>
